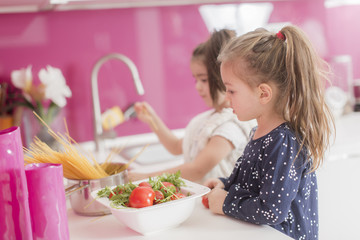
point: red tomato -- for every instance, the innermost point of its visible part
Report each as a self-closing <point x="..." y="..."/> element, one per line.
<point x="205" y="201"/>
<point x="141" y="197"/>
<point x="170" y="186"/>
<point x="158" y="196"/>
<point x="110" y="195"/>
<point x="177" y="196"/>
<point x="145" y="184"/>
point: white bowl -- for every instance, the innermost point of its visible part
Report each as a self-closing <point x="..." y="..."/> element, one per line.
<point x="160" y="216"/>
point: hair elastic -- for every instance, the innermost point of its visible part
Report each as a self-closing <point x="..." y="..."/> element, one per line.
<point x="280" y="36"/>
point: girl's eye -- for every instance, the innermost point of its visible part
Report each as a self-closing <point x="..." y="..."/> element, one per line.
<point x="201" y="80"/>
<point x="230" y="91"/>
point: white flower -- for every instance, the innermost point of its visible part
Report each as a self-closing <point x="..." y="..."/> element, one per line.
<point x="55" y="85"/>
<point x="22" y="79"/>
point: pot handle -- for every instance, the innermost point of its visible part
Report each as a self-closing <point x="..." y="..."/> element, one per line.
<point x="74" y="188"/>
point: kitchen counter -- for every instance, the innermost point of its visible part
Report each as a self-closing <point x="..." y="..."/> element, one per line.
<point x="338" y="181"/>
<point x="202" y="224"/>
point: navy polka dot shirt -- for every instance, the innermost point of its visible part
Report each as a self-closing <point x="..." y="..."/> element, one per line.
<point x="268" y="187"/>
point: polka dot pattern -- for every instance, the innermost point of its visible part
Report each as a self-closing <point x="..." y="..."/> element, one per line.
<point x="271" y="185"/>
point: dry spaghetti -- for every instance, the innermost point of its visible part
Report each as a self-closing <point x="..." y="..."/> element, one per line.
<point x="75" y="164"/>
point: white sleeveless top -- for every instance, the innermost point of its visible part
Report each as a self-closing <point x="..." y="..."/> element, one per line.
<point x="210" y="123"/>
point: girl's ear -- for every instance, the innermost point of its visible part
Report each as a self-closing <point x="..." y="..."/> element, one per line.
<point x="265" y="93"/>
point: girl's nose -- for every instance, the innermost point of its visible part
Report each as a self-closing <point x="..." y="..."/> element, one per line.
<point x="198" y="86"/>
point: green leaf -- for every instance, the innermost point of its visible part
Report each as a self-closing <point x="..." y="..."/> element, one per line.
<point x="105" y="192"/>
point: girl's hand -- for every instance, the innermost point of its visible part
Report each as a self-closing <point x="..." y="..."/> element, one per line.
<point x="214" y="183"/>
<point x="216" y="200"/>
<point x="144" y="112"/>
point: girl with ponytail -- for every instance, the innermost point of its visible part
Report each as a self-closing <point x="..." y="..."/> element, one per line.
<point x="277" y="79"/>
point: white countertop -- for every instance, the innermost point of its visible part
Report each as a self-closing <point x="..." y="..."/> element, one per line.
<point x="202" y="224"/>
<point x="339" y="199"/>
<point x="338" y="183"/>
<point x="339" y="210"/>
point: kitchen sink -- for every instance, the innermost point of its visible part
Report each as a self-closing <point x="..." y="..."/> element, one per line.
<point x="154" y="153"/>
<point x="131" y="145"/>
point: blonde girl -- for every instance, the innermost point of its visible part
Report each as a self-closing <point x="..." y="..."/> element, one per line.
<point x="277" y="79"/>
<point x="213" y="139"/>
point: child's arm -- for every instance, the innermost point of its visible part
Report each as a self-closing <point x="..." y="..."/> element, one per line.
<point x="216" y="149"/>
<point x="263" y="193"/>
<point x="146" y="114"/>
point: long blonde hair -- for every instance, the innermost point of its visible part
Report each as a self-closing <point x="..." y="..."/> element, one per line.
<point x="288" y="60"/>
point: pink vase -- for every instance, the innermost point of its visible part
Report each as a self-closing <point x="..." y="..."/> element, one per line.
<point x="47" y="201"/>
<point x="14" y="205"/>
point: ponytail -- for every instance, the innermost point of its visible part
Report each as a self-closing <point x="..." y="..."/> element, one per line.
<point x="308" y="113"/>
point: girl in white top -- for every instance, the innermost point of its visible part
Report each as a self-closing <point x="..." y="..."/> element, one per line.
<point x="214" y="139"/>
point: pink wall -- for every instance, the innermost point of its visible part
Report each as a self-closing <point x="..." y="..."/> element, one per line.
<point x="158" y="39"/>
<point x="343" y="33"/>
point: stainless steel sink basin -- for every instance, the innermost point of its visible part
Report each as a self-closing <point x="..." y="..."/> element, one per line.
<point x="154" y="153"/>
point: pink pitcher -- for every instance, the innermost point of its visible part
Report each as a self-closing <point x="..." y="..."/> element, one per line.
<point x="47" y="201"/>
<point x="14" y="204"/>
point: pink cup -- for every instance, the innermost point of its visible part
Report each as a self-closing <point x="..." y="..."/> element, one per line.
<point x="47" y="201"/>
<point x="15" y="220"/>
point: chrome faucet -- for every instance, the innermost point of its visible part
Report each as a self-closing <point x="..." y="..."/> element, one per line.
<point x="98" y="130"/>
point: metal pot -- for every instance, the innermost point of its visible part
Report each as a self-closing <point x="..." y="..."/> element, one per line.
<point x="80" y="193"/>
